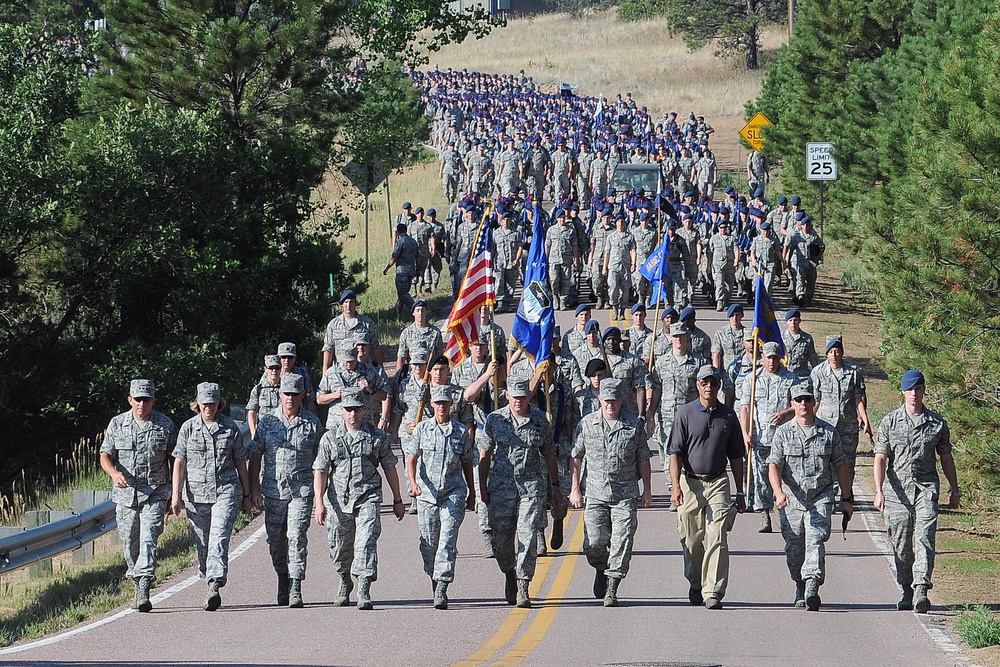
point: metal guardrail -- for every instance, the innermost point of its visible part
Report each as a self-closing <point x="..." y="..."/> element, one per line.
<point x="31" y="546"/>
<point x="37" y="544"/>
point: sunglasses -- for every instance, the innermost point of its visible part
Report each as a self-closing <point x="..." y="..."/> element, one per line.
<point x="712" y="383"/>
<point x="352" y="409"/>
<point x="803" y="399"/>
<point x="141" y="399"/>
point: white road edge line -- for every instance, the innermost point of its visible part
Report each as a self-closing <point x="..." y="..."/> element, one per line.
<point x="159" y="597"/>
<point x="937" y="635"/>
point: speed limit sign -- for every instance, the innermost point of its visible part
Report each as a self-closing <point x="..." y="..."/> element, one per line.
<point x="820" y="163"/>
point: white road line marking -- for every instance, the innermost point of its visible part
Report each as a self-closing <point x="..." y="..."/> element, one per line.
<point x="160" y="597"/>
<point x="928" y="623"/>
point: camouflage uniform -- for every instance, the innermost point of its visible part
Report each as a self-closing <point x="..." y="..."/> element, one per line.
<point x="645" y="243"/>
<point x="808" y="457"/>
<point x="584" y="162"/>
<point x="572" y="340"/>
<point x="465" y="237"/>
<point x="435" y="265"/>
<point x="427" y="338"/>
<point x="912" y="489"/>
<point x="354" y="495"/>
<point x="598" y="282"/>
<point x="617" y="248"/>
<point x="640" y="341"/>
<point x="772" y="394"/>
<point x="692" y="239"/>
<point x="517" y="485"/>
<point x="768" y="252"/>
<point x="141" y="450"/>
<point x="563" y="249"/>
<point x="562" y="163"/>
<point x="508" y="165"/>
<point x="338" y="377"/>
<point x="450" y="165"/>
<point x="613" y="450"/>
<point x="421" y="233"/>
<point x="631" y="370"/>
<point x="212" y="490"/>
<point x="728" y="343"/>
<point x="598" y="177"/>
<point x="341" y="329"/>
<point x="837" y="393"/>
<point x="264" y="397"/>
<point x="506" y="269"/>
<point x="443" y="450"/>
<point x="801" y="353"/>
<point x="536" y="163"/>
<point x="722" y="249"/>
<point x="288" y="448"/>
<point x="802" y="270"/>
<point x="405" y="253"/>
<point x="700" y="342"/>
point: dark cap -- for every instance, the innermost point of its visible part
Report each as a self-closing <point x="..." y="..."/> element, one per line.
<point x="595" y="366"/>
<point x="836" y="340"/>
<point x="794" y="312"/>
<point x="591" y="326"/>
<point x="911" y="379"/>
<point x="419" y="303"/>
<point x="348" y="294"/>
<point x="733" y="309"/>
<point x="582" y="307"/>
<point x="687" y="313"/>
<point x="613" y="332"/>
<point x="639" y="307"/>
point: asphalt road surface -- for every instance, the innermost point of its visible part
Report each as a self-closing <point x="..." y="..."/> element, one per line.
<point x="655" y="624"/>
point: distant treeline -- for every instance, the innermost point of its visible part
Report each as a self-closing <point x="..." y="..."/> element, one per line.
<point x="908" y="91"/>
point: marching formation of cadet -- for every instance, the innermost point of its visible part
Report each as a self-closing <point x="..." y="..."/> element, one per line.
<point x="495" y="436"/>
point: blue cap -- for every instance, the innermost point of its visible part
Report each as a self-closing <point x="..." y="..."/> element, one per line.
<point x="730" y="190"/>
<point x="420" y="209"/>
<point x="782" y="200"/>
<point x="689" y="193"/>
<point x="348" y="294"/>
<point x="733" y="309"/>
<point x="668" y="312"/>
<point x="431" y="211"/>
<point x="911" y="379"/>
<point x="686" y="313"/>
<point x="836" y="340"/>
<point x="796" y="200"/>
<point x="754" y="211"/>
<point x="592" y="327"/>
<point x="612" y="192"/>
<point x="765" y="225"/>
<point x="794" y="312"/>
<point x="608" y="209"/>
<point x="800" y="215"/>
<point x="407" y="204"/>
<point x="614" y="332"/>
<point x="419" y="303"/>
<point x="759" y="192"/>
<point x="582" y="307"/>
<point x="637" y="308"/>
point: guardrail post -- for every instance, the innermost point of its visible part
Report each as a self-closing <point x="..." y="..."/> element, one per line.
<point x="7" y="531"/>
<point x="34" y="519"/>
<point x="83" y="500"/>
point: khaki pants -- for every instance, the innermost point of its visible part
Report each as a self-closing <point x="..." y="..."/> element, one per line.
<point x="701" y="522"/>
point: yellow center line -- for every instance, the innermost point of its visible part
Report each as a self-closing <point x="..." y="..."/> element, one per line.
<point x="547" y="614"/>
<point x="513" y="621"/>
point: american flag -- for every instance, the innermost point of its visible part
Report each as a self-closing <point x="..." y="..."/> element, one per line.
<point x="477" y="290"/>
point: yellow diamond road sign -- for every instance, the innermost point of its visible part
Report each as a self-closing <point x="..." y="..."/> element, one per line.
<point x="751" y="131"/>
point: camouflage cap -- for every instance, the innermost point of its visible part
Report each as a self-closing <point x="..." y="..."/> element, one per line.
<point x="287" y="350"/>
<point x="292" y="383"/>
<point x="208" y="392"/>
<point x="272" y="361"/>
<point x="347" y="350"/>
<point x="441" y="394"/>
<point x="142" y="389"/>
<point x="419" y="355"/>
<point x="519" y="387"/>
<point x="771" y="349"/>
<point x="678" y="329"/>
<point x="802" y="388"/>
<point x="352" y="398"/>
<point x="611" y="389"/>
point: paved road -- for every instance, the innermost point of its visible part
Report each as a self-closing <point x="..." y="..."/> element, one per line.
<point x="655" y="625"/>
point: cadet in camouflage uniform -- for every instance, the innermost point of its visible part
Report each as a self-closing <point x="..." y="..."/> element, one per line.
<point x="265" y="395"/>
<point x="701" y="343"/>
<point x="800" y="350"/>
<point x="439" y="460"/>
<point x="685" y="172"/>
<point x="617" y="455"/>
<point x="516" y="458"/>
<point x="477" y="165"/>
<point x="806" y="458"/>
<point x="465" y="237"/>
<point x="631" y="370"/>
<point x="840" y="388"/>
<point x="536" y="166"/>
<point x="346" y="373"/>
<point x="421" y="230"/>
<point x="346" y="479"/>
<point x="727" y="347"/>
<point x="674" y="384"/>
<point x="210" y="465"/>
<point x="765" y="254"/>
<point x="450" y="166"/>
<point x="404" y="258"/>
<point x="758" y="171"/>
<point x="639" y="332"/>
<point x="507" y="167"/>
<point x="419" y="334"/>
<point x="678" y="286"/>
<point x="588" y="399"/>
<point x="439" y="249"/>
<point x="563" y="250"/>
<point x="619" y="265"/>
<point x="574" y="338"/>
<point x="599" y="235"/>
<point x="707" y="171"/>
<point x="584" y="163"/>
<point x="771" y="408"/>
<point x="135" y="452"/>
<point x="803" y="251"/>
<point x="562" y="166"/>
<point x="645" y="243"/>
<point x="288" y="356"/>
<point x="349" y="325"/>
<point x="723" y="257"/>
<point x="907" y="487"/>
<point x="598" y="176"/>
<point x="693" y="246"/>
<point x="507" y="263"/>
<point x="286" y="444"/>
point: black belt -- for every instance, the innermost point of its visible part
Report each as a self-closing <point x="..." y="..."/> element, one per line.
<point x="705" y="478"/>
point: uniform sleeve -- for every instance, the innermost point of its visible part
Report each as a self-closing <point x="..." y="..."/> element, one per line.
<point x="717" y="343"/>
<point x="386" y="458"/>
<point x="943" y="445"/>
<point x="642" y="451"/>
<point x="171" y="436"/>
<point x="859" y="387"/>
<point x="438" y="342"/>
<point x="815" y="375"/>
<point x="328" y="339"/>
<point x="468" y="447"/>
<point x="259" y="441"/>
<point x="484" y="437"/>
<point x="180" y="450"/>
<point x="403" y="348"/>
<point x="397" y="249"/>
<point x="111" y="436"/>
<point x="253" y="402"/>
<point x="331" y="381"/>
<point x="777" y="455"/>
<point x="324" y="455"/>
<point x="412" y="445"/>
<point x="882" y="435"/>
<point x="547" y="447"/>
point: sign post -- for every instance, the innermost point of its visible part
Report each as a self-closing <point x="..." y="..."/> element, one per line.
<point x="751" y="131"/>
<point x="821" y="166"/>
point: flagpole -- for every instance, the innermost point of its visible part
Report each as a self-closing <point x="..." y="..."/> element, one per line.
<point x="424" y="393"/>
<point x="753" y="400"/>
<point x="493" y="357"/>
<point x="656" y="324"/>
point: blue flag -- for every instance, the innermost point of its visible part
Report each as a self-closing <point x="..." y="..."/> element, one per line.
<point x="535" y="318"/>
<point x="654" y="269"/>
<point x="765" y="324"/>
